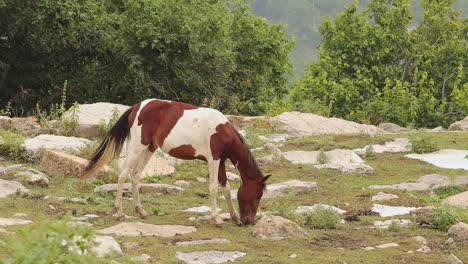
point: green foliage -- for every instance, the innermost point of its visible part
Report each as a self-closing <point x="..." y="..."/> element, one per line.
<point x="444" y="217"/>
<point x="323" y="158"/>
<point x="105" y="127"/>
<point x="69" y="122"/>
<point x="7" y="110"/>
<point x="158" y="212"/>
<point x="213" y="52"/>
<point x="322" y="218"/>
<point x="51" y="242"/>
<point x="394" y="226"/>
<point x="98" y="182"/>
<point x="152" y="179"/>
<point x="373" y="69"/>
<point x="447" y="191"/>
<point x="202" y="194"/>
<point x="12" y="145"/>
<point x="422" y="142"/>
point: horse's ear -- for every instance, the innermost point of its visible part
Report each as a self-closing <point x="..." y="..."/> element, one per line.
<point x="266" y="178"/>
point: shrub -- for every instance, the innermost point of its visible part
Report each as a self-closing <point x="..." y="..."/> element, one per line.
<point x="12" y="145"/>
<point x="49" y="242"/>
<point x="152" y="179"/>
<point x="103" y="127"/>
<point x="70" y="123"/>
<point x="444" y="217"/>
<point x="322" y="218"/>
<point x="447" y="191"/>
<point x="423" y="143"/>
<point x="323" y="158"/>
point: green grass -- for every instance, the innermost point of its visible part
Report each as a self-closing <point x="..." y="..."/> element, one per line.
<point x="344" y="190"/>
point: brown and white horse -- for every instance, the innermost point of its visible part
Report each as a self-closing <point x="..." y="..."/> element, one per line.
<point x="186" y="132"/>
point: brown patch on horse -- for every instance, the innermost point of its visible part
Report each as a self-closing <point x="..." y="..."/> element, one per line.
<point x="185" y="152"/>
<point x="132" y="116"/>
<point x="222" y="178"/>
<point x="222" y="141"/>
<point x="158" y="118"/>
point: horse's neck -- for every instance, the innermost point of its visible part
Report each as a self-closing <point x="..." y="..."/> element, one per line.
<point x="242" y="161"/>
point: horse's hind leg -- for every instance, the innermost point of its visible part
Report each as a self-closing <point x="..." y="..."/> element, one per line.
<point x="222" y="178"/>
<point x="135" y="174"/>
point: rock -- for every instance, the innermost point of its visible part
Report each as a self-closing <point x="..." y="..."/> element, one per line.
<point x="202" y="242"/>
<point x="106" y="245"/>
<point x="141" y="258"/>
<point x="200" y="209"/>
<point x="61" y="143"/>
<point x="6" y="123"/>
<point x="293" y="256"/>
<point x="421" y="240"/>
<point x="183" y="184"/>
<point x="224" y="217"/>
<point x="449" y="241"/>
<point x="244" y="122"/>
<point x="14" y="221"/>
<point x="211" y="256"/>
<point x="386" y="210"/>
<point x="461" y="125"/>
<point x="460" y="199"/>
<point x="66" y="165"/>
<point x="428" y="182"/>
<point x="232" y="176"/>
<point x="341" y="159"/>
<point x="387" y="223"/>
<point x="452" y="259"/>
<point x="200" y="179"/>
<point x="5" y="231"/>
<point x="276" y="138"/>
<point x="388" y="245"/>
<point x="143" y="229"/>
<point x="72" y="200"/>
<point x="445" y="158"/>
<point x="22" y="215"/>
<point x="459" y="231"/>
<point x="90" y="115"/>
<point x="275" y="151"/>
<point x="289" y="187"/>
<point x="34" y="177"/>
<point x="276" y="228"/>
<point x="424" y="249"/>
<point x="6" y="169"/>
<point x="157" y="165"/>
<point x="303" y="210"/>
<point x="266" y="160"/>
<point x="10" y="187"/>
<point x="306" y="124"/>
<point x="437" y="129"/>
<point x="131" y="245"/>
<point x="156" y="188"/>
<point x="392" y="128"/>
<point x="381" y="196"/>
<point x="395" y="146"/>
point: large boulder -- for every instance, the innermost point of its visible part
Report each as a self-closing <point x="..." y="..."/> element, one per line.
<point x="11" y="187"/>
<point x="157" y="165"/>
<point x="460" y="125"/>
<point x="61" y="143"/>
<point x="276" y="228"/>
<point x="66" y="165"/>
<point x="91" y="115"/>
<point x="460" y="199"/>
<point x="306" y="124"/>
<point x="459" y="231"/>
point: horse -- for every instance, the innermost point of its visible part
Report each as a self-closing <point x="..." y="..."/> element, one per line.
<point x="187" y="132"/>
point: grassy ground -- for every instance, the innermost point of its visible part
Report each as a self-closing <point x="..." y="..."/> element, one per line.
<point x="346" y="191"/>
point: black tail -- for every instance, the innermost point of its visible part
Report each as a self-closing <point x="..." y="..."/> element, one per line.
<point x="110" y="147"/>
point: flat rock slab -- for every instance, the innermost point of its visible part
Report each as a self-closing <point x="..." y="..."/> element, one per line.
<point x="66" y="165"/>
<point x="61" y="143"/>
<point x="381" y="196"/>
<point x="289" y="187"/>
<point x="386" y="210"/>
<point x="445" y="158"/>
<point x="425" y="183"/>
<point x="340" y="159"/>
<point x="306" y="124"/>
<point x="460" y="199"/>
<point x="305" y="209"/>
<point x="211" y="256"/>
<point x="143" y="229"/>
<point x="10" y="187"/>
<point x="387" y="223"/>
<point x="200" y="209"/>
<point x="394" y="146"/>
<point x="156" y="188"/>
<point x="14" y="221"/>
<point x="224" y="217"/>
<point x="276" y="228"/>
<point x="202" y="242"/>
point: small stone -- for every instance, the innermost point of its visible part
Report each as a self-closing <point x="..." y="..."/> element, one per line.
<point x="449" y="241"/>
<point x="183" y="184"/>
<point x="293" y="256"/>
<point x="202" y="242"/>
<point x="232" y="176"/>
<point x="369" y="248"/>
<point x="420" y="239"/>
<point x="266" y="160"/>
<point x="388" y="245"/>
<point x="21" y="215"/>
<point x="277" y="227"/>
<point x="387" y="223"/>
<point x="199" y="179"/>
<point x="381" y="196"/>
<point x="141" y="258"/>
<point x="424" y="249"/>
<point x="14" y="221"/>
<point x="131" y="245"/>
<point x="200" y="209"/>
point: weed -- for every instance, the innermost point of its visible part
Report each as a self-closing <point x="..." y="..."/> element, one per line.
<point x="51" y="242"/>
<point x="394" y="226"/>
<point x="152" y="179"/>
<point x="323" y="158"/>
<point x="423" y="143"/>
<point x="447" y="191"/>
<point x="253" y="139"/>
<point x="202" y="194"/>
<point x="7" y="110"/>
<point x="322" y="218"/>
<point x="158" y="212"/>
<point x="104" y="127"/>
<point x="98" y="182"/>
<point x="444" y="217"/>
<point x="70" y="122"/>
<point x="369" y="152"/>
<point x="13" y="145"/>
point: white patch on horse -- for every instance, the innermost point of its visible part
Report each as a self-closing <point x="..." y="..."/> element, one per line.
<point x="195" y="127"/>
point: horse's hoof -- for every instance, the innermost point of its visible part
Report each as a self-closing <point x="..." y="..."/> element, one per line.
<point x="218" y="222"/>
<point x="119" y="217"/>
<point x="143" y="215"/>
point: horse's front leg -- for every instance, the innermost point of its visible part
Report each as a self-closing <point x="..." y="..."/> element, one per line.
<point x="213" y="171"/>
<point x="135" y="174"/>
<point x="227" y="193"/>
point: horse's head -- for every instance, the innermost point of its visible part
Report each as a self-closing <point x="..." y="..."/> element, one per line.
<point x="248" y="196"/>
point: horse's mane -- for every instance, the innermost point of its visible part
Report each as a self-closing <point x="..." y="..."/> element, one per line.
<point x="250" y="158"/>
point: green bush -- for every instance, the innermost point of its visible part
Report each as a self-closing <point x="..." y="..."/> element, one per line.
<point x="423" y="143"/>
<point x="322" y="218"/>
<point x="447" y="191"/>
<point x="444" y="217"/>
<point x="12" y="145"/>
<point x="48" y="242"/>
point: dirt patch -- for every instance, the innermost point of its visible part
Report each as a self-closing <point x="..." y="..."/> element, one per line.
<point x="339" y="240"/>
